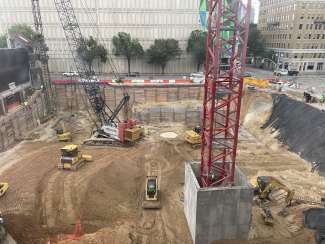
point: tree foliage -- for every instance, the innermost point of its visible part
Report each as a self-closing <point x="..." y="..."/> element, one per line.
<point x="3" y="41"/>
<point x="128" y="47"/>
<point x="256" y="42"/>
<point x="20" y="29"/>
<point x="196" y="46"/>
<point x="162" y="51"/>
<point x="24" y="30"/>
<point x="90" y="50"/>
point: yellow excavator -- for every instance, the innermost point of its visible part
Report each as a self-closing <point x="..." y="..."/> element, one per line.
<point x="263" y="187"/>
<point x="71" y="158"/>
<point x="193" y="137"/>
<point x="152" y="198"/>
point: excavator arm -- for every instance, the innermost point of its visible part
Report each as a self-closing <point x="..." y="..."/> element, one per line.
<point x="266" y="184"/>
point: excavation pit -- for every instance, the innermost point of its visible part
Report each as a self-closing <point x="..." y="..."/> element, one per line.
<point x="217" y="213"/>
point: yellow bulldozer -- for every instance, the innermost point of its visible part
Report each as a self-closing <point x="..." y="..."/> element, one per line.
<point x="263" y="187"/>
<point x="62" y="133"/>
<point x="193" y="137"/>
<point x="71" y="158"/>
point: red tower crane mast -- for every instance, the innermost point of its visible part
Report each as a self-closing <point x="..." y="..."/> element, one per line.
<point x="228" y="25"/>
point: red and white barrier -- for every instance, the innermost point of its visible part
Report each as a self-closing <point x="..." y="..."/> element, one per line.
<point x="133" y="82"/>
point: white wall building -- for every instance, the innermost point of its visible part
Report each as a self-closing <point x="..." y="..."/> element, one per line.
<point x="143" y="19"/>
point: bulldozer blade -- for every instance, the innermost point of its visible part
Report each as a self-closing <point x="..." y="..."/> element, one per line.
<point x="151" y="204"/>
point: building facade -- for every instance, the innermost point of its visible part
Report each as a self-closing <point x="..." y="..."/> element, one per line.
<point x="143" y="19"/>
<point x="295" y="30"/>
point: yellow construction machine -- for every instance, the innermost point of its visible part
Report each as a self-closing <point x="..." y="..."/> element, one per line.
<point x="152" y="198"/>
<point x="72" y="158"/>
<point x="193" y="137"/>
<point x="3" y="188"/>
<point x="63" y="136"/>
<point x="62" y="133"/>
<point x="263" y="187"/>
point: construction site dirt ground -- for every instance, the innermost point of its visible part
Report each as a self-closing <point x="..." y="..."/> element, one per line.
<point x="105" y="195"/>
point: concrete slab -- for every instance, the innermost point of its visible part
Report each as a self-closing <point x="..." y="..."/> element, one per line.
<point x="217" y="213"/>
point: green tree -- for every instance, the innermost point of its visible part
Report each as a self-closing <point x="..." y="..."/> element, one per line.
<point x="256" y="42"/>
<point x="90" y="50"/>
<point x="162" y="51"/>
<point x="24" y="30"/>
<point x="128" y="47"/>
<point x="196" y="47"/>
<point x="21" y="29"/>
<point x="3" y="41"/>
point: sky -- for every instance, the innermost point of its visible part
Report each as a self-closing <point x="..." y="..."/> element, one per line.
<point x="256" y="5"/>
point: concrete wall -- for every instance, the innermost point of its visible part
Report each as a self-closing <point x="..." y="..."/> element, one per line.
<point x="72" y="97"/>
<point x="191" y="116"/>
<point x="217" y="213"/>
<point x="16" y="125"/>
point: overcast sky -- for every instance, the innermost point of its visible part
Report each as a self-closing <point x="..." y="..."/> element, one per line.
<point x="256" y="5"/>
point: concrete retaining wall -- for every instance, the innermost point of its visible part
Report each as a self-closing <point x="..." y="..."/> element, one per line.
<point x="16" y="125"/>
<point x="160" y="114"/>
<point x="217" y="213"/>
<point x="71" y="97"/>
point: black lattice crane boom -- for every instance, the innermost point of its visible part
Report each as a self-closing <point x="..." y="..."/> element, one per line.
<point x="40" y="53"/>
<point x="110" y="125"/>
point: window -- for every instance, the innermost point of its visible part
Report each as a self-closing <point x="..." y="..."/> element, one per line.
<point x="310" y="66"/>
<point x="320" y="66"/>
<point x="300" y="26"/>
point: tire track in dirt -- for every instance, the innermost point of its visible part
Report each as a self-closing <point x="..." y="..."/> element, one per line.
<point x="150" y="226"/>
<point x="63" y="195"/>
<point x="154" y="226"/>
<point x="48" y="215"/>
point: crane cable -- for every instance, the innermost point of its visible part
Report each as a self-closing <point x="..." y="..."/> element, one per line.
<point x="93" y="22"/>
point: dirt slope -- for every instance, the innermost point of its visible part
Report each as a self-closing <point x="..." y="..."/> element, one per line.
<point x="106" y="194"/>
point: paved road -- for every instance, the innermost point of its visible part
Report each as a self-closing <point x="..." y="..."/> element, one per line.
<point x="306" y="82"/>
